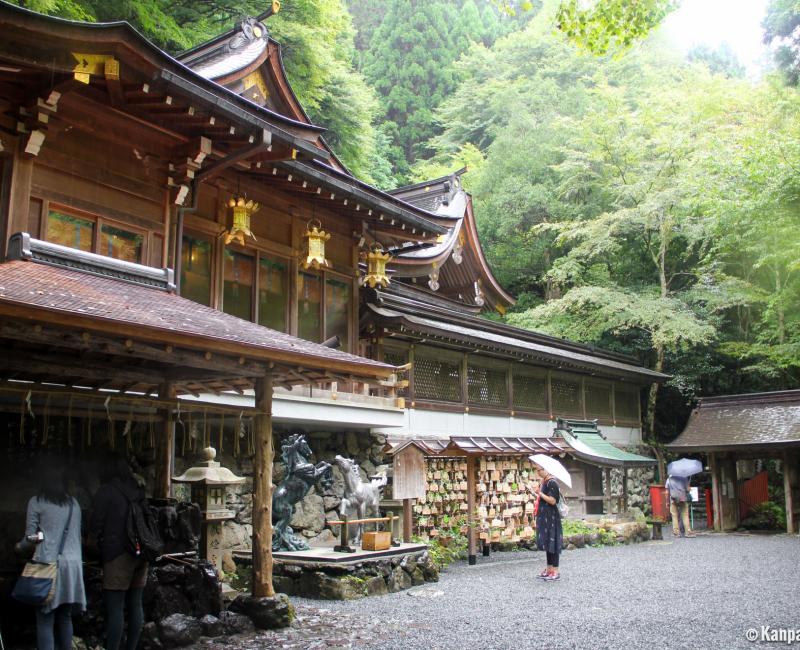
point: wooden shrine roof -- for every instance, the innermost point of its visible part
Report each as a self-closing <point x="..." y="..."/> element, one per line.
<point x="456" y="266"/>
<point x="491" y="446"/>
<point x="481" y="445"/>
<point x="405" y="317"/>
<point x="742" y="422"/>
<point x="192" y="128"/>
<point x="593" y="450"/>
<point x="110" y="319"/>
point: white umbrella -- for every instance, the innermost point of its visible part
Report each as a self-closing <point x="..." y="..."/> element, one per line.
<point x="552" y="466"/>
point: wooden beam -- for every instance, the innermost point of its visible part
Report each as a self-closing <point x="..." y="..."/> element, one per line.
<point x="716" y="501"/>
<point x="162" y="488"/>
<point x="16" y="210"/>
<point x="262" y="488"/>
<point x="472" y="547"/>
<point x="66" y="367"/>
<point x="408" y="520"/>
<point x="261" y="142"/>
<point x="788" y="471"/>
<point x="139" y="349"/>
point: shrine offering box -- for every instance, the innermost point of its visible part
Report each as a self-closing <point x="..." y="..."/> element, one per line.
<point x="376" y="541"/>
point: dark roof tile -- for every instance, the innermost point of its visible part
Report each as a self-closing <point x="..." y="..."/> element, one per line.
<point x="763" y="419"/>
<point x="107" y="299"/>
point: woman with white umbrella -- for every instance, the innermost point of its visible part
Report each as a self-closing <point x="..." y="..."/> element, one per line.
<point x="549" y="536"/>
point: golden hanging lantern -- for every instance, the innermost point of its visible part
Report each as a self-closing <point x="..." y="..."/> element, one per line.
<point x="316" y="237"/>
<point x="241" y="211"/>
<point x="376" y="267"/>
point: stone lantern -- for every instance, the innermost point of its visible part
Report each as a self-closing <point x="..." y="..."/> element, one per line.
<point x="208" y="482"/>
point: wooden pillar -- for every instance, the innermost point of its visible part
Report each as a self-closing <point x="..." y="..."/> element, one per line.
<point x="472" y="547"/>
<point x="716" y="501"/>
<point x="165" y="447"/>
<point x="15" y="212"/>
<point x="408" y="521"/>
<point x="788" y="475"/>
<point x="607" y="489"/>
<point x="262" y="484"/>
<point x="625" y="489"/>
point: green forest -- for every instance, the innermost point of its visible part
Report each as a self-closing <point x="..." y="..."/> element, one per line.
<point x="630" y="196"/>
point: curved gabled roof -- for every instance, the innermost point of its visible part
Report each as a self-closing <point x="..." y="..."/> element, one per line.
<point x="156" y="88"/>
<point x="456" y="266"/>
<point x="236" y="54"/>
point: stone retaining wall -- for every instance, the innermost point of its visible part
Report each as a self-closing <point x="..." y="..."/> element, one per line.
<point x="354" y="580"/>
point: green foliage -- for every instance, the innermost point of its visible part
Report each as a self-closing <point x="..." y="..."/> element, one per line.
<point x="586" y="313"/>
<point x="780" y="30"/>
<point x="72" y="9"/>
<point x="765" y="516"/>
<point x="607" y="537"/>
<point x="451" y="543"/>
<point x="722" y="60"/>
<point x="443" y="554"/>
<point x="607" y="24"/>
<point x="639" y="203"/>
<point x="575" y="527"/>
<point x="410" y="64"/>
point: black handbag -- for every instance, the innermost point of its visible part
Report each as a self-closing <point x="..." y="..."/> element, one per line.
<point x="37" y="584"/>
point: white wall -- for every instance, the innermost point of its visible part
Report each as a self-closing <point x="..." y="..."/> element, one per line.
<point x="422" y="423"/>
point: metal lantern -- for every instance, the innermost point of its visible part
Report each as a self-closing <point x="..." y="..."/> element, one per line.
<point x="316" y="237"/>
<point x="241" y="211"/>
<point x="376" y="267"/>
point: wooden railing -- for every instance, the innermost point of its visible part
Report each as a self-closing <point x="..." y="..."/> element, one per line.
<point x="344" y="538"/>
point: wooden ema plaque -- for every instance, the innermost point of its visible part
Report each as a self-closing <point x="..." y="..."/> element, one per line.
<point x="376" y="541"/>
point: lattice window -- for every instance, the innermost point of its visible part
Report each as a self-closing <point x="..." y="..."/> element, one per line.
<point x="598" y="400"/>
<point x="397" y="358"/>
<point x="436" y="379"/>
<point x="487" y="386"/>
<point x="566" y="395"/>
<point x="530" y="392"/>
<point x="626" y="404"/>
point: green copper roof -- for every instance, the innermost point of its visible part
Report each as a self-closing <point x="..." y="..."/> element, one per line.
<point x="589" y="445"/>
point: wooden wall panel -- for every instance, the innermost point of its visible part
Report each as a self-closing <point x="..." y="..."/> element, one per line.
<point x="408" y="480"/>
<point x="90" y="196"/>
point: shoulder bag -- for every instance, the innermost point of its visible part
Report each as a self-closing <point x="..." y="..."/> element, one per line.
<point x="37" y="584"/>
<point x="561" y="504"/>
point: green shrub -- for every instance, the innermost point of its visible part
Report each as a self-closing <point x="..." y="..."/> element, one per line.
<point x="450" y="545"/>
<point x="765" y="516"/>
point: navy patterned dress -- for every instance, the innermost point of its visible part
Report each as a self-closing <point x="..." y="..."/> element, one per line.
<point x="549" y="536"/>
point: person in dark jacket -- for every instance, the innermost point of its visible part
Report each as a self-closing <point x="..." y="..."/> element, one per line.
<point x="549" y="534"/>
<point x="124" y="574"/>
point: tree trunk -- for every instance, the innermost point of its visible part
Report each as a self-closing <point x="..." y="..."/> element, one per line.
<point x="779" y="308"/>
<point x="652" y="397"/>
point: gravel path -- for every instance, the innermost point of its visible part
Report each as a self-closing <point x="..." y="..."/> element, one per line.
<point x="682" y="593"/>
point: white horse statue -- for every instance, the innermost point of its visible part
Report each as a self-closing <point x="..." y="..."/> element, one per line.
<point x="359" y="497"/>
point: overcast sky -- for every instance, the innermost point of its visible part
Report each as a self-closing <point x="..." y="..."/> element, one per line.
<point x="737" y="22"/>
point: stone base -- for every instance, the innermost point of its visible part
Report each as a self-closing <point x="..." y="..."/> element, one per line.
<point x="267" y="613"/>
<point x="354" y="577"/>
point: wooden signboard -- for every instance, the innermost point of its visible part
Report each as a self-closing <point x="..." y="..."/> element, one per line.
<point x="408" y="481"/>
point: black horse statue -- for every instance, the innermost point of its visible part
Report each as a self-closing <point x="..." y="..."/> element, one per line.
<point x="301" y="474"/>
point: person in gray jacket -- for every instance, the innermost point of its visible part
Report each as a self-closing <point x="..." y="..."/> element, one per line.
<point x="679" y="498"/>
<point x="48" y="516"/>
